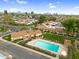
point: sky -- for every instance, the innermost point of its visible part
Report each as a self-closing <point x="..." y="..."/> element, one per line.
<point x="41" y="6"/>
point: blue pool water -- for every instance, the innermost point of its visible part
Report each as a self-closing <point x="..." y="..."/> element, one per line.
<point x="48" y="46"/>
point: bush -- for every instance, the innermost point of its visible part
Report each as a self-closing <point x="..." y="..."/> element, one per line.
<point x="40" y="50"/>
<point x="15" y="41"/>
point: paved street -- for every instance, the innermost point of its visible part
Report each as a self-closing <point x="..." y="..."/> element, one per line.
<point x="18" y="52"/>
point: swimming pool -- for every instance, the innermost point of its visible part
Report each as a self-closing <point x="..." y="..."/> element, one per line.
<point x="47" y="46"/>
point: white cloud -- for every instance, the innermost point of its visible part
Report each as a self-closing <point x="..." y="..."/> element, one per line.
<point x="12" y="10"/>
<point x="21" y="1"/>
<point x="77" y="7"/>
<point x="5" y="0"/>
<point x="51" y="6"/>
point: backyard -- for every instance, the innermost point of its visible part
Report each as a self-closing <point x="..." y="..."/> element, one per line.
<point x="53" y="37"/>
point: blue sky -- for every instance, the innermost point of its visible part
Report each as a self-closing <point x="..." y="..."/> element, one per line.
<point x="41" y="6"/>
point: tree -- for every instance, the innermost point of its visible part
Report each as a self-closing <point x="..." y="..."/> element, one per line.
<point x="47" y="18"/>
<point x="77" y="24"/>
<point x="26" y="13"/>
<point x="69" y="24"/>
<point x="52" y="18"/>
<point x="7" y="18"/>
<point x="42" y="18"/>
<point x="32" y="12"/>
<point x="77" y="28"/>
<point x="5" y="12"/>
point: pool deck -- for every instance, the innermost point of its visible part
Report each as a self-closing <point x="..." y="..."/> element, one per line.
<point x="61" y="47"/>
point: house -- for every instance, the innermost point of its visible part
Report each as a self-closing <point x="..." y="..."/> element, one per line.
<point x="22" y="21"/>
<point x="4" y="55"/>
<point x="51" y="26"/>
<point x="26" y="21"/>
<point x="25" y="34"/>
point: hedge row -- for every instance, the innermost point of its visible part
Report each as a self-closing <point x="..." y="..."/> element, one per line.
<point x="40" y="50"/>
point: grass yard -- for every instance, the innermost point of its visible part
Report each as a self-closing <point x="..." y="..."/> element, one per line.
<point x="53" y="37"/>
<point x="7" y="37"/>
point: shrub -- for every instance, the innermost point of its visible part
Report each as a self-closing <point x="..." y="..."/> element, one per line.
<point x="40" y="50"/>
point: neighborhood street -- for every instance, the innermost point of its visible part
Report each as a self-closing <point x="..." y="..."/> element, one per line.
<point x="18" y="52"/>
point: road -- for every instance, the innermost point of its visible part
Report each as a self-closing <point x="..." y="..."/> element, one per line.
<point x="19" y="52"/>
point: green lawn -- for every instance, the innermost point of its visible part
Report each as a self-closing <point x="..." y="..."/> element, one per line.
<point x="53" y="37"/>
<point x="7" y="37"/>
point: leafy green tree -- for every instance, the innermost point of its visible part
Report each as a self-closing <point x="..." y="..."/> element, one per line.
<point x="5" y="12"/>
<point x="32" y="12"/>
<point x="47" y="18"/>
<point x="77" y="28"/>
<point x="7" y="18"/>
<point x="26" y="13"/>
<point x="69" y="24"/>
<point x="52" y="18"/>
<point x="42" y="18"/>
<point x="77" y="24"/>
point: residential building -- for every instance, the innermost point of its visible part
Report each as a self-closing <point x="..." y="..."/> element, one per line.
<point x="26" y="21"/>
<point x="51" y="26"/>
<point x="25" y="34"/>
